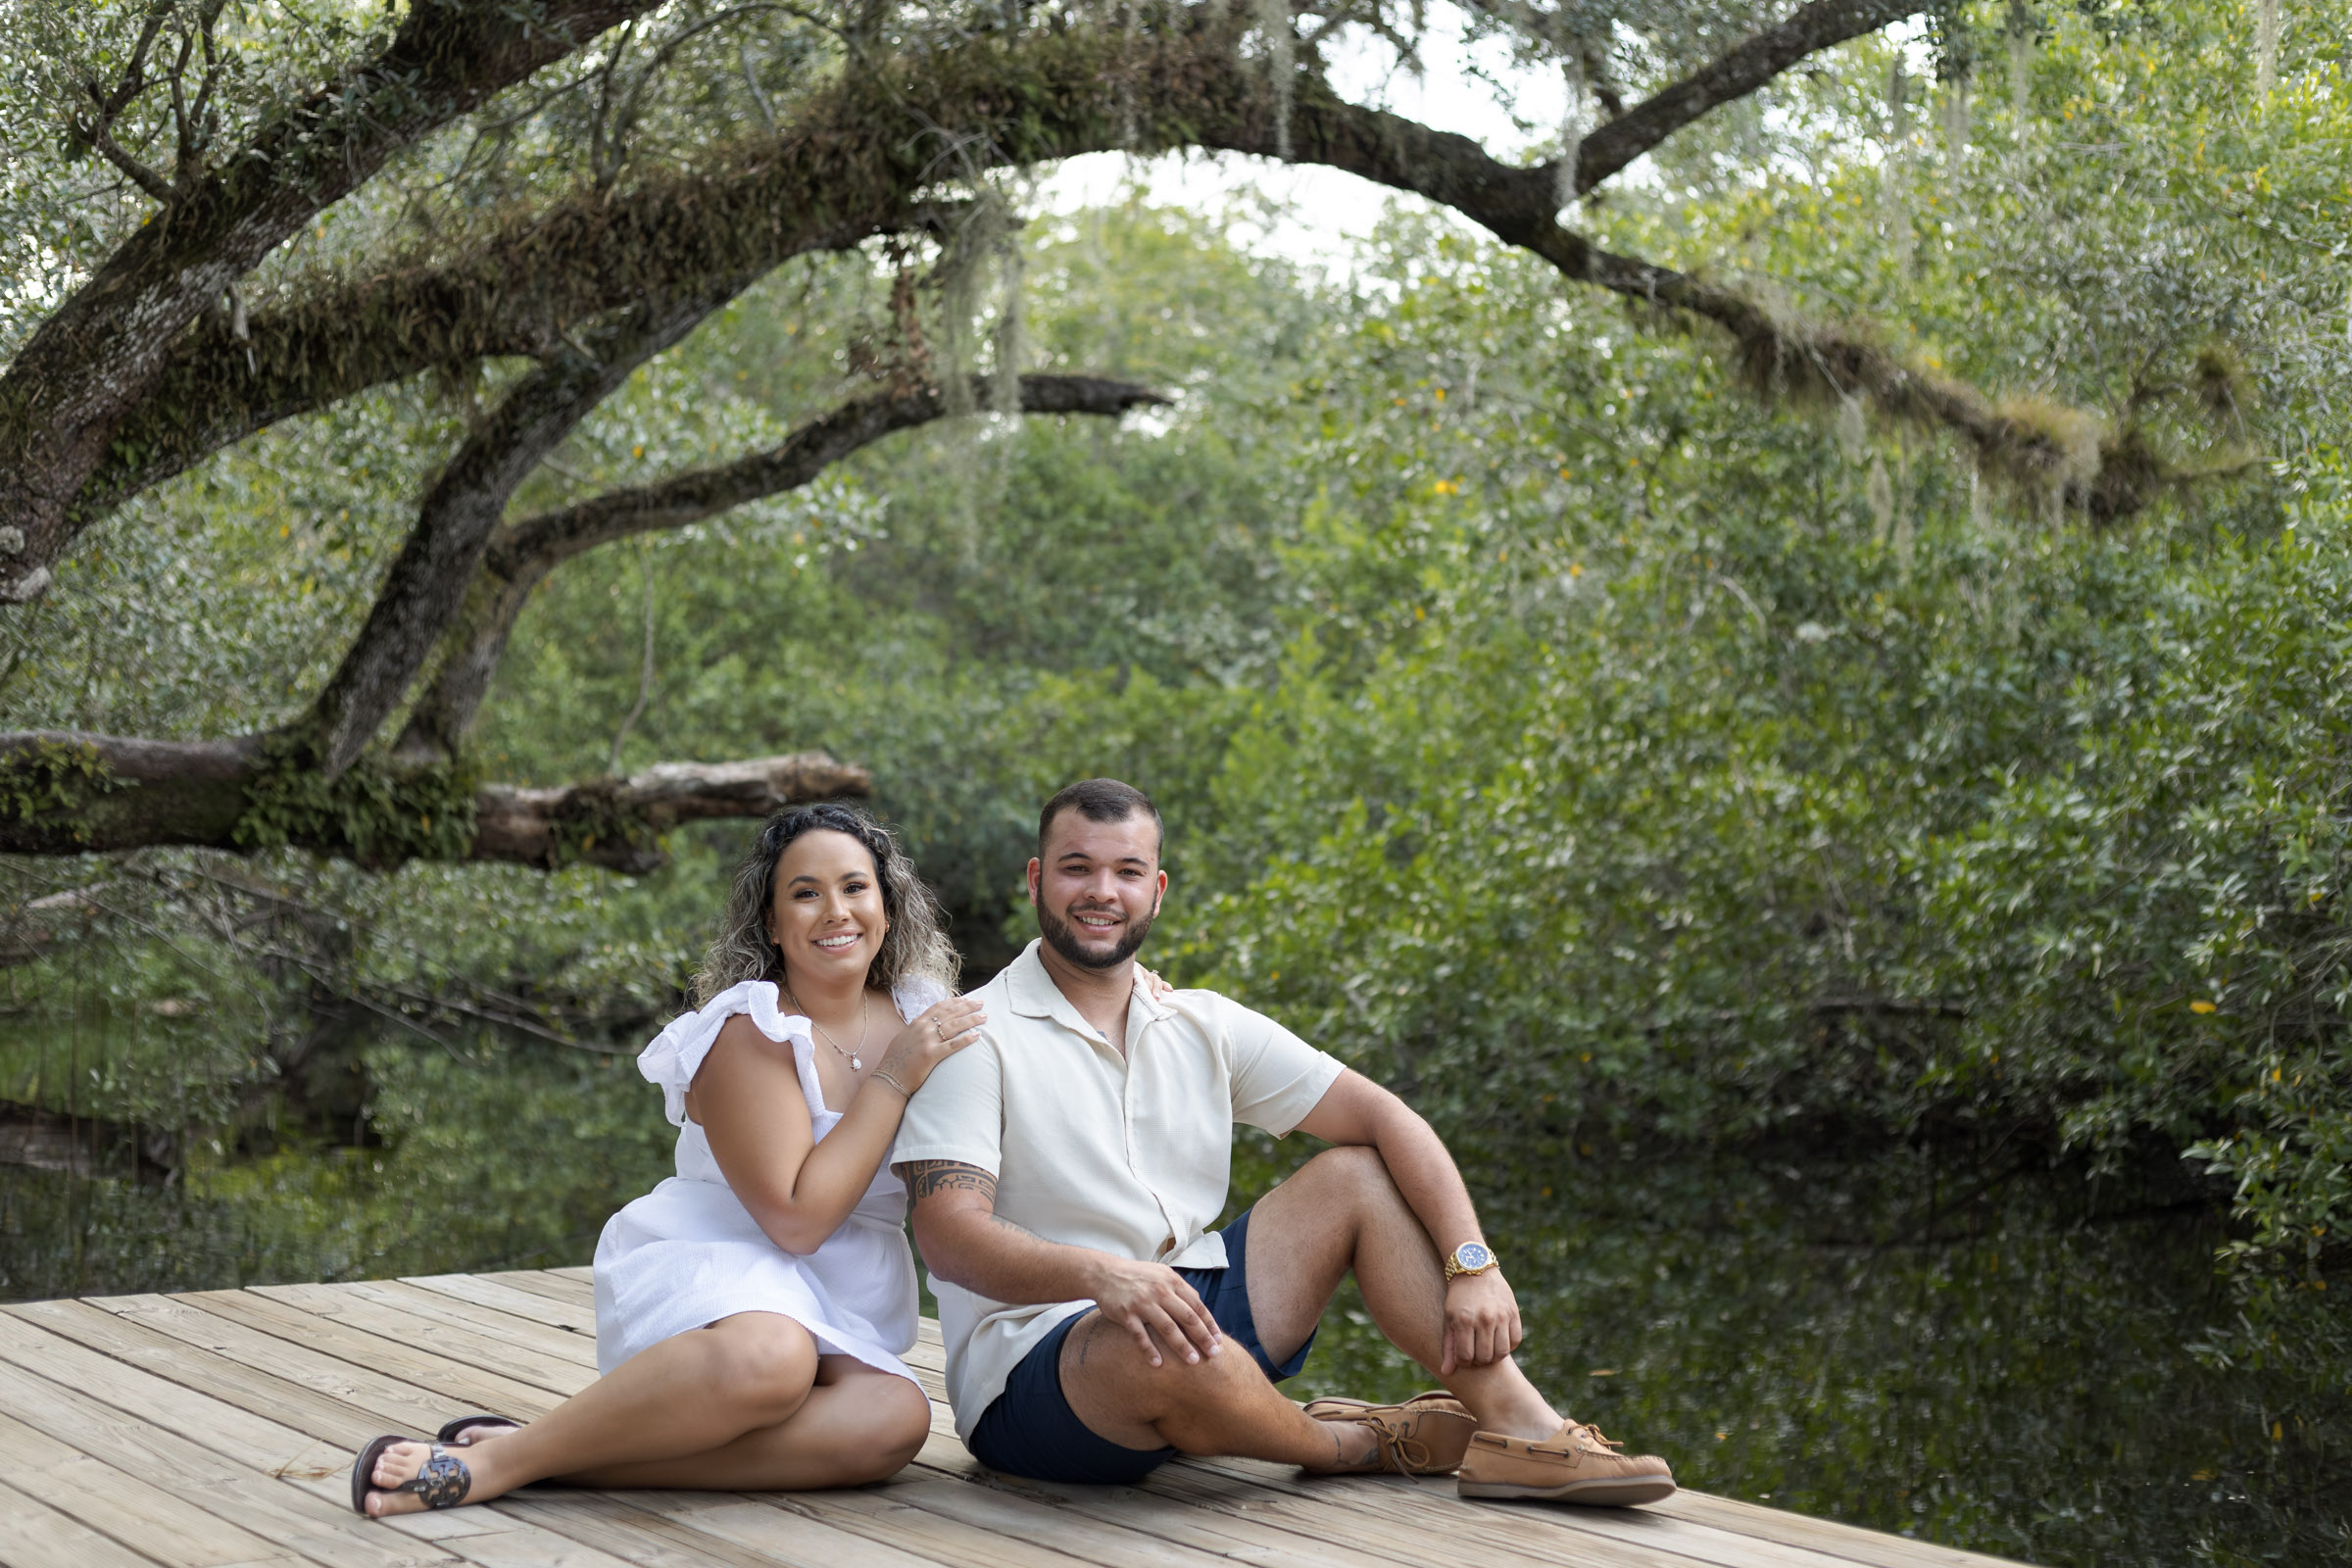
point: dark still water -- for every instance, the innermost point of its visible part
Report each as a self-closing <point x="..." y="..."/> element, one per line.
<point x="2002" y="1363"/>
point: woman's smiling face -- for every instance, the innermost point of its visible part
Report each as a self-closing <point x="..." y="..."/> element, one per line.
<point x="827" y="919"/>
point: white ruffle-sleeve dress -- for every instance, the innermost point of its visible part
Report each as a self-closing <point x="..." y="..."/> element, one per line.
<point x="688" y="1252"/>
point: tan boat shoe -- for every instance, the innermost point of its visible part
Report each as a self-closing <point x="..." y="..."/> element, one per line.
<point x="1574" y="1464"/>
<point x="1425" y="1436"/>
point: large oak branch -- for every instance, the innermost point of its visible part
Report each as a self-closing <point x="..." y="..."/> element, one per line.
<point x="506" y="297"/>
<point x="2025" y="443"/>
<point x="1823" y="25"/>
<point x="522" y="554"/>
<point x="98" y="356"/>
<point x="65" y="792"/>
<point x="863" y="152"/>
<point x="427" y="583"/>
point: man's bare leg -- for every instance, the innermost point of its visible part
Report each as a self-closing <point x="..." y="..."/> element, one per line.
<point x="1221" y="1403"/>
<point x="1340" y="1213"/>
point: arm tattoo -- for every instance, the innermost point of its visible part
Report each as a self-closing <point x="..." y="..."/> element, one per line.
<point x="925" y="1177"/>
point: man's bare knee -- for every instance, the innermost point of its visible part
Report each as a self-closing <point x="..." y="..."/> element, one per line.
<point x="1174" y="1383"/>
<point x="1351" y="1176"/>
<point x="1220" y="1379"/>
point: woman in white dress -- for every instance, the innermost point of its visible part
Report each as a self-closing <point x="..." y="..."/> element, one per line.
<point x="751" y="1309"/>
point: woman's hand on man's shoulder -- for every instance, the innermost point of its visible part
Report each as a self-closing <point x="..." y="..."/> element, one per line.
<point x="930" y="1038"/>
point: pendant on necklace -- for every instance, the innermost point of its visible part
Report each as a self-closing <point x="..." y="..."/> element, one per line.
<point x="855" y="1065"/>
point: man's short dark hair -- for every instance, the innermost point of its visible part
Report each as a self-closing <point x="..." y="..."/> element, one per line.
<point x="1100" y="800"/>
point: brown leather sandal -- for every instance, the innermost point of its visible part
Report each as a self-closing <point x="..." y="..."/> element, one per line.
<point x="443" y="1482"/>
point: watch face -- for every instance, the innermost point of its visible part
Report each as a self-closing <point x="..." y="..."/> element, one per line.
<point x="1472" y="1256"/>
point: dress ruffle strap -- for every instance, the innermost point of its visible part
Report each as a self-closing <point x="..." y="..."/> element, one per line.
<point x="677" y="1051"/>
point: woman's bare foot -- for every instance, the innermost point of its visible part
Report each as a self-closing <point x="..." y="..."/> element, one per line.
<point x="401" y="1462"/>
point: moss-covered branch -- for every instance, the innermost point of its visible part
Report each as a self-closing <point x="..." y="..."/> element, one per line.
<point x="426" y="583"/>
<point x="69" y="792"/>
<point x="522" y="554"/>
<point x="98" y="356"/>
<point x="860" y="154"/>
<point x="1734" y="75"/>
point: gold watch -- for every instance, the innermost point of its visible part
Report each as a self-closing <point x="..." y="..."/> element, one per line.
<point x="1471" y="1257"/>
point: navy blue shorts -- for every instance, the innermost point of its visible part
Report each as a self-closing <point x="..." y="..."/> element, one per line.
<point x="1030" y="1430"/>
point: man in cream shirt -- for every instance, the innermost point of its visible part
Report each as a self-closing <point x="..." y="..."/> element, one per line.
<point x="1067" y="1170"/>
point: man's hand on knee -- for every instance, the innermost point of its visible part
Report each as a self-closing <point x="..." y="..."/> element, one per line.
<point x="1153" y="1303"/>
<point x="1482" y="1321"/>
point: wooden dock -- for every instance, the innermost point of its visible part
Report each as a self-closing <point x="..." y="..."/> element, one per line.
<point x="217" y="1430"/>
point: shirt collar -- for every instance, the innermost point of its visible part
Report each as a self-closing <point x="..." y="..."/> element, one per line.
<point x="1034" y="994"/>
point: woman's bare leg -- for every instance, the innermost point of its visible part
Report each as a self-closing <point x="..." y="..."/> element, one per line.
<point x="857" y="1425"/>
<point x="689" y="1394"/>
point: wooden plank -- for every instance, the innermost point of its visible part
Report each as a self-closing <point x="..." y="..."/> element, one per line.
<point x="1567" y="1535"/>
<point x="211" y="1472"/>
<point x="1691" y="1524"/>
<point x="195" y="1436"/>
<point x="547" y="1281"/>
<point x="606" y="1531"/>
<point x="605" y="1521"/>
<point x="1225" y="1535"/>
<point x="391" y="1404"/>
<point x="122" y="1417"/>
<point x="545" y="1339"/>
<point x="1538" y="1533"/>
<point x="1113" y="1543"/>
<point x="530" y="1547"/>
<point x="33" y="1535"/>
<point x="466" y="1385"/>
<point x="481" y="1291"/>
<point x="873" y="1513"/>
<point x="344" y="1425"/>
<point x="332" y="1416"/>
<point x="149" y="1522"/>
<point x="1852" y="1542"/>
<point x="1397" y="1516"/>
<point x="694" y="1529"/>
<point x="774" y="1535"/>
<point x="469" y="1347"/>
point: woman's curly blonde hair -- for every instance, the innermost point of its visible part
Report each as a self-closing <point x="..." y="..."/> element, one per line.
<point x="916" y="947"/>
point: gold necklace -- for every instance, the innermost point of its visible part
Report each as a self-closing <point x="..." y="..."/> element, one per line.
<point x="865" y="1024"/>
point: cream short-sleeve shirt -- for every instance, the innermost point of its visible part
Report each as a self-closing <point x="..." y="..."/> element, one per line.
<point x="1129" y="1154"/>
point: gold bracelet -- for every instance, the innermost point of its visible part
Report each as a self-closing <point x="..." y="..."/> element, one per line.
<point x="904" y="1091"/>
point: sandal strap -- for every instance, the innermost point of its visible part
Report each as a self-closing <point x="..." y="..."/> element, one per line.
<point x="443" y="1482"/>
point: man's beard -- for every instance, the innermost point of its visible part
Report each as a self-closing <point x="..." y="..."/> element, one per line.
<point x="1064" y="939"/>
